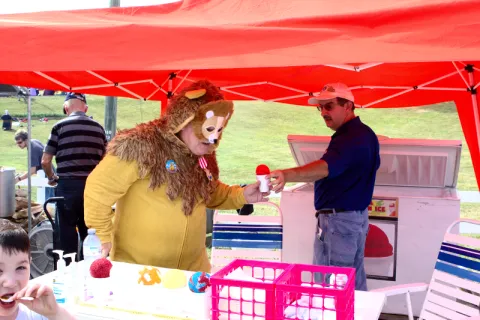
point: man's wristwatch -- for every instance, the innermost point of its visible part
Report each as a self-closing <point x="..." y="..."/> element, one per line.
<point x="52" y="179"/>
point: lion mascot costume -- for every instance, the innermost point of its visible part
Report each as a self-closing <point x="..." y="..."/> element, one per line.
<point x="160" y="187"/>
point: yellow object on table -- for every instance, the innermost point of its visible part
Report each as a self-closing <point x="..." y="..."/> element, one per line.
<point x="149" y="276"/>
<point x="174" y="279"/>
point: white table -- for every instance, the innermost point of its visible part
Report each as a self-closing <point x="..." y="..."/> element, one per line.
<point x="368" y="305"/>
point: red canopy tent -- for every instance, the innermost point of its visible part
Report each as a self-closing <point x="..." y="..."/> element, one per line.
<point x="393" y="53"/>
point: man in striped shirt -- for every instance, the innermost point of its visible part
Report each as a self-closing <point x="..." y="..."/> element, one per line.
<point x="78" y="144"/>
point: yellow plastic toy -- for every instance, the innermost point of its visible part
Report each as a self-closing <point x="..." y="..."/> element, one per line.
<point x="149" y="276"/>
<point x="174" y="279"/>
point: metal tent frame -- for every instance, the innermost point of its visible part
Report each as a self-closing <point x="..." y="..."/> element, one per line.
<point x="465" y="71"/>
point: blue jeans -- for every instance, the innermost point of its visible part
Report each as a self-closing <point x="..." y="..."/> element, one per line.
<point x="49" y="193"/>
<point x="342" y="243"/>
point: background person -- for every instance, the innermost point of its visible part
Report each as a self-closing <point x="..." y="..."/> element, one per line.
<point x="21" y="139"/>
<point x="78" y="144"/>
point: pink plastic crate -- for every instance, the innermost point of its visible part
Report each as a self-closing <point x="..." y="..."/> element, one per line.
<point x="250" y="298"/>
<point x="302" y="292"/>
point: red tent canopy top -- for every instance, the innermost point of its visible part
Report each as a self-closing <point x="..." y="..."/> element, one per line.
<point x="393" y="53"/>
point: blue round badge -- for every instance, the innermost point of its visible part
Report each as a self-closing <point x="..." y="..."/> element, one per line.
<point x="171" y="166"/>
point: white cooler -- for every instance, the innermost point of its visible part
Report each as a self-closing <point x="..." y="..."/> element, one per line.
<point x="415" y="200"/>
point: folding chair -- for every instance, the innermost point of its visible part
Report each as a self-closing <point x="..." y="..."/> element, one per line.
<point x="454" y="290"/>
<point x="251" y="237"/>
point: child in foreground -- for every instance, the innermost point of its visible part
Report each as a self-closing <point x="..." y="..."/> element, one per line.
<point x="14" y="276"/>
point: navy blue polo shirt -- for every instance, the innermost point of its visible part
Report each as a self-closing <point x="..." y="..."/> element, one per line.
<point x="353" y="158"/>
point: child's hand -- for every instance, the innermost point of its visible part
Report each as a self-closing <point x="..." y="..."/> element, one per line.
<point x="44" y="302"/>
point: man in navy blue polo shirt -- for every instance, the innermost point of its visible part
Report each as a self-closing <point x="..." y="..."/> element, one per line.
<point x="344" y="180"/>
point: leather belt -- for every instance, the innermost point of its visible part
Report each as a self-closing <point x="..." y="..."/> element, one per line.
<point x="328" y="211"/>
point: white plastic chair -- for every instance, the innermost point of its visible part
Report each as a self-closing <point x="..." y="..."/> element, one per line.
<point x="454" y="290"/>
<point x="252" y="237"/>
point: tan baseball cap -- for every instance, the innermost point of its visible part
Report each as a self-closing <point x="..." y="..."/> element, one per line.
<point x="331" y="91"/>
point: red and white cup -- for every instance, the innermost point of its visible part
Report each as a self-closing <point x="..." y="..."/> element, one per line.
<point x="262" y="172"/>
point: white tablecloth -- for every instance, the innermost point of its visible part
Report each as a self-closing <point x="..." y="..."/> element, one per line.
<point x="368" y="306"/>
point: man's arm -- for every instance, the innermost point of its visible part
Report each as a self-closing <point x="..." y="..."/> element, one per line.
<point x="339" y="157"/>
<point x="24" y="176"/>
<point x="47" y="165"/>
<point x="308" y="173"/>
<point x="48" y="153"/>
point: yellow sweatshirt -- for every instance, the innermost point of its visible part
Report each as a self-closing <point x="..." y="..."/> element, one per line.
<point x="147" y="228"/>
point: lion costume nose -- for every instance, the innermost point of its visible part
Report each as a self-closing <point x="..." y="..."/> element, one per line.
<point x="213" y="139"/>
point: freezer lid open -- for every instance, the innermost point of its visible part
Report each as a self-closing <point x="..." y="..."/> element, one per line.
<point x="404" y="162"/>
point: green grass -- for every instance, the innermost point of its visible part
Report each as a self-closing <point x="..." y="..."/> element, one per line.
<point x="257" y="132"/>
<point x="470" y="210"/>
<point x="130" y="111"/>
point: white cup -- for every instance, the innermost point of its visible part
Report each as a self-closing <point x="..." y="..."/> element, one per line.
<point x="263" y="183"/>
<point x="100" y="288"/>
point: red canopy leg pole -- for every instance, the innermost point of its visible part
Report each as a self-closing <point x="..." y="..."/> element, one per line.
<point x="476" y="117"/>
<point x="473" y="91"/>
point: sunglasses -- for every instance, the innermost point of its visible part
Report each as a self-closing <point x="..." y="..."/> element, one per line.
<point x="19" y="141"/>
<point x="327" y="107"/>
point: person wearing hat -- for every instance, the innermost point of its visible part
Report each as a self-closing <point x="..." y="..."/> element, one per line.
<point x="78" y="144"/>
<point x="344" y="180"/>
